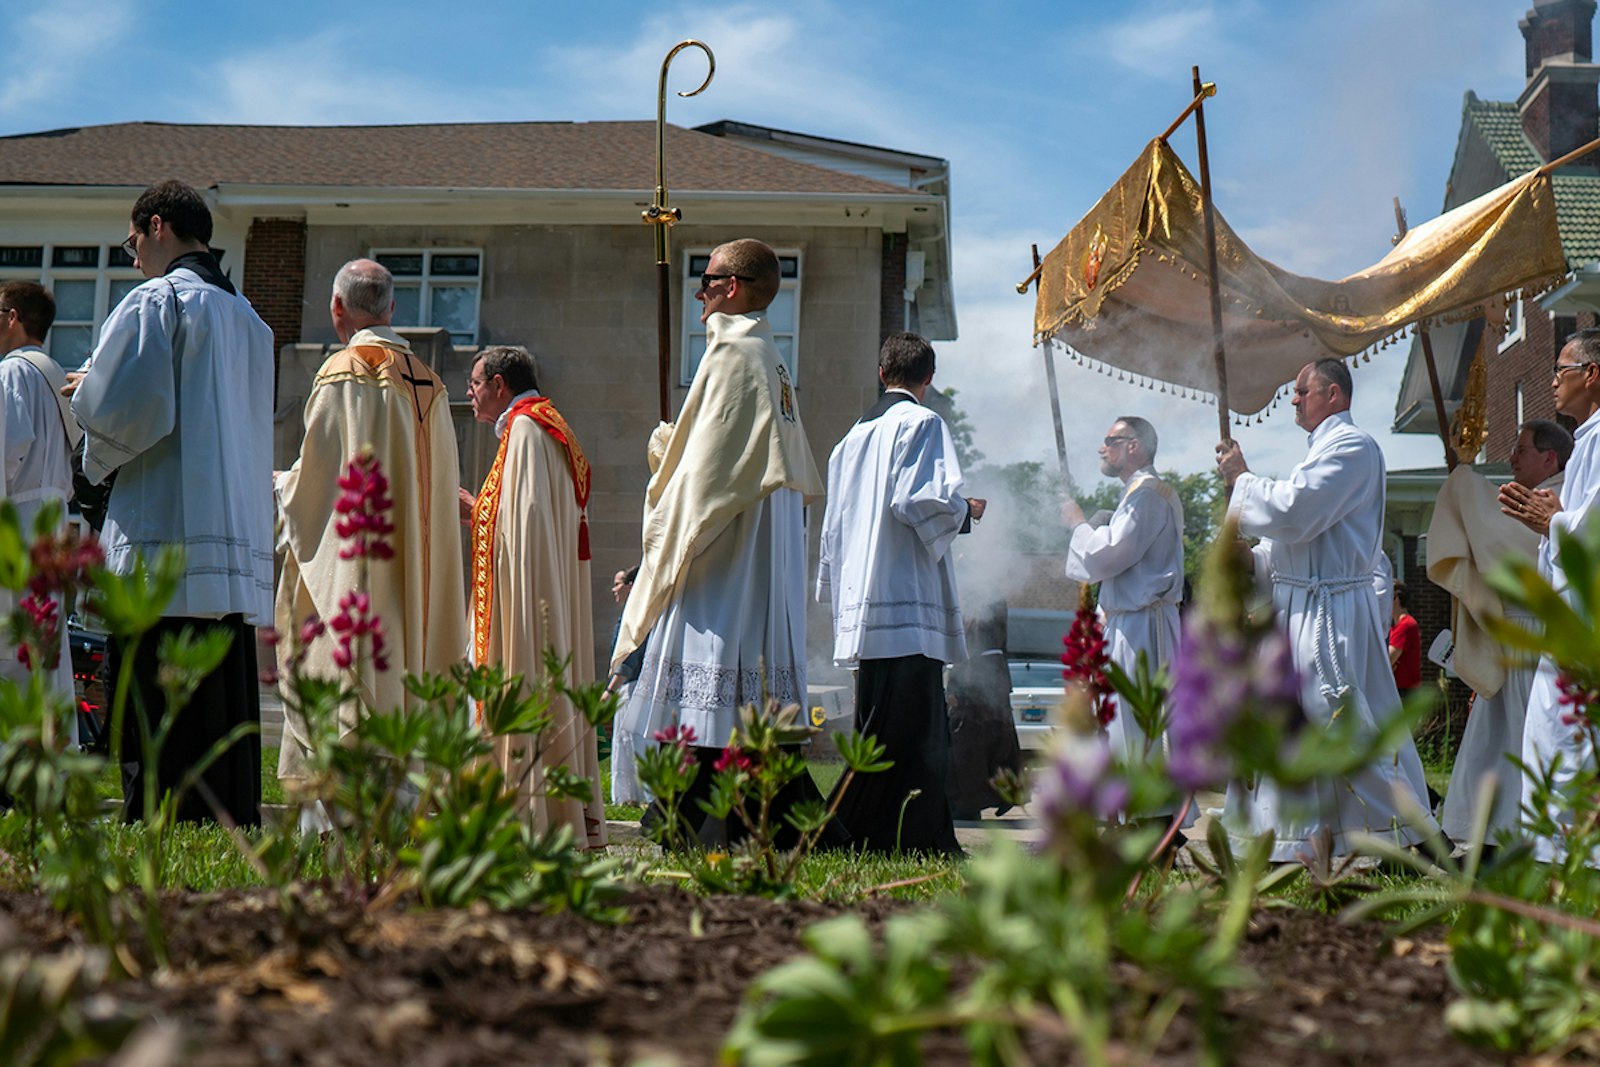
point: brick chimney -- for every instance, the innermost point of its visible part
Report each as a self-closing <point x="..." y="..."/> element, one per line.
<point x="1559" y="106"/>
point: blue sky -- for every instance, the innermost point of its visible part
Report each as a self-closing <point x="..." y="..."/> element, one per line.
<point x="1326" y="111"/>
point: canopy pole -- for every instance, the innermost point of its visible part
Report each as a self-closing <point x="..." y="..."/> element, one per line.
<point x="660" y="216"/>
<point x="1201" y="92"/>
<point x="1218" y="355"/>
<point x="1208" y="89"/>
<point x="1055" y="398"/>
<point x="1576" y="153"/>
<point x="1428" y="360"/>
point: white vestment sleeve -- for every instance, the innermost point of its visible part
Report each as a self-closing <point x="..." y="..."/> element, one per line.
<point x="927" y="478"/>
<point x="1094" y="555"/>
<point x="1316" y="495"/>
<point x="128" y="399"/>
<point x="18" y="429"/>
<point x="1571" y="520"/>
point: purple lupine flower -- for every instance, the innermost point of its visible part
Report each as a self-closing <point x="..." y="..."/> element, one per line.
<point x="1221" y="678"/>
<point x="1080" y="778"/>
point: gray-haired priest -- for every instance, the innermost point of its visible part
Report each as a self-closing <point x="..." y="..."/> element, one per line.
<point x="372" y="393"/>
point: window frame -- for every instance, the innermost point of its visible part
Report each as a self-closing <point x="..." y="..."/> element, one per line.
<point x="426" y="282"/>
<point x="104" y="273"/>
<point x="692" y="326"/>
<point x="1516" y="325"/>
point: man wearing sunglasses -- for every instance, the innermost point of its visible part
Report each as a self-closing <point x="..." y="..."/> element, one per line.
<point x="1322" y="530"/>
<point x="177" y="400"/>
<point x="1138" y="559"/>
<point x="721" y="585"/>
<point x="1575" y="384"/>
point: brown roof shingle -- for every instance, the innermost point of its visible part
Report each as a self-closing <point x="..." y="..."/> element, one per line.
<point x="509" y="155"/>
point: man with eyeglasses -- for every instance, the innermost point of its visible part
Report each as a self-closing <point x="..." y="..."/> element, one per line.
<point x="1138" y="559"/>
<point x="1575" y="383"/>
<point x="1322" y="531"/>
<point x="1468" y="537"/>
<point x="177" y="401"/>
<point x="371" y="393"/>
<point x="530" y="591"/>
<point x="895" y="507"/>
<point x="39" y="435"/>
<point x="721" y="585"/>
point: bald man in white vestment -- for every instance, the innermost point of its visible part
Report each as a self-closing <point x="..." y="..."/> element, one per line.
<point x="1323" y="526"/>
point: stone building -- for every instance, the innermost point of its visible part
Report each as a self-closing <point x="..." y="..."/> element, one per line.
<point x="512" y="233"/>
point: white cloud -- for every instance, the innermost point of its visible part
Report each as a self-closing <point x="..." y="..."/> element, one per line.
<point x="771" y="68"/>
<point x="321" y="80"/>
<point x="51" y="48"/>
<point x="1157" y="39"/>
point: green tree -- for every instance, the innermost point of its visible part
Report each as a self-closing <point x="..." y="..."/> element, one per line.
<point x="943" y="401"/>
<point x="1030" y="495"/>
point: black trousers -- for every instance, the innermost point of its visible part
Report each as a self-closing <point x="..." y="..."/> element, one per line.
<point x="712" y="832"/>
<point x="900" y="702"/>
<point x="228" y="696"/>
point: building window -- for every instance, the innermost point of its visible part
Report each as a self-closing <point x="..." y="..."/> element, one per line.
<point x="436" y="287"/>
<point x="87" y="282"/>
<point x="1521" y="418"/>
<point x="783" y="315"/>
<point x="1515" y="327"/>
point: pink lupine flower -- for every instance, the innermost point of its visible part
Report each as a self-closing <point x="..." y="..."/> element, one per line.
<point x="363" y="510"/>
<point x="1086" y="660"/>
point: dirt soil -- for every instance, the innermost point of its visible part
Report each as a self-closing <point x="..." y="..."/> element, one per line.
<point x="441" y="989"/>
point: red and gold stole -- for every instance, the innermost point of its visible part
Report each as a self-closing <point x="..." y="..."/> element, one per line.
<point x="486" y="509"/>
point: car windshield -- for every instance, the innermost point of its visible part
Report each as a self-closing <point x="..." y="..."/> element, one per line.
<point x="1035" y="674"/>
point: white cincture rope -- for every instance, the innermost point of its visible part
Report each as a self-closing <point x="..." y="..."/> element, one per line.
<point x="1160" y="602"/>
<point x="1322" y="591"/>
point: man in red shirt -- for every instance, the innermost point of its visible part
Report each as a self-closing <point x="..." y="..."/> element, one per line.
<point x="1405" y="645"/>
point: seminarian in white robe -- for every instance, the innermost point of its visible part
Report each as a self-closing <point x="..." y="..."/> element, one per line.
<point x="1544" y="734"/>
<point x="531" y="593"/>
<point x="177" y="401"/>
<point x="720" y="593"/>
<point x="1138" y="559"/>
<point x="1325" y="524"/>
<point x="1467" y="538"/>
<point x="373" y="393"/>
<point x="37" y="472"/>
<point x="894" y="509"/>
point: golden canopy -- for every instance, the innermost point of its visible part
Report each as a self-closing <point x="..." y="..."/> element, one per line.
<point x="1127" y="286"/>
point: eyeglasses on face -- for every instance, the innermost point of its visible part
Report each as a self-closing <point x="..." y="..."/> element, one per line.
<point x="1111" y="442"/>
<point x="130" y="246"/>
<point x="1557" y="370"/>
<point x="707" y="278"/>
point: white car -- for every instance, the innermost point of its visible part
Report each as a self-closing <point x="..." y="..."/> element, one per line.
<point x="1037" y="688"/>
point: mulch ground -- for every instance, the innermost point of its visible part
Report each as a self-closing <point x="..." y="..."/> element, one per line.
<point x="441" y="989"/>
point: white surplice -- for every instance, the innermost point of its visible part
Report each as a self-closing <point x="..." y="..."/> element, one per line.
<point x="894" y="507"/>
<point x="37" y="472"/>
<point x="1468" y="537"/>
<point x="1325" y="525"/>
<point x="733" y="633"/>
<point x="1544" y="735"/>
<point x="1138" y="559"/>
<point x="178" y="400"/>
<point x="719" y="603"/>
